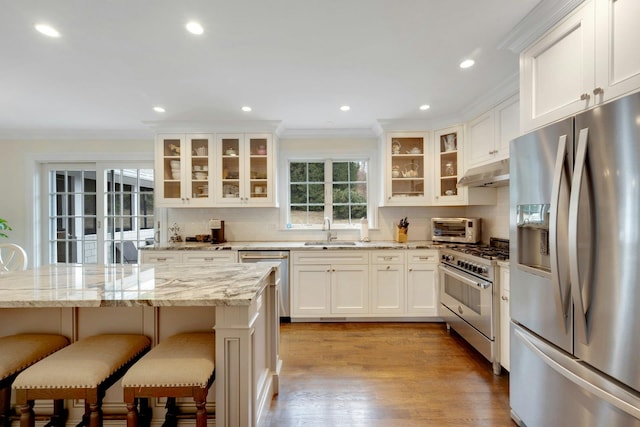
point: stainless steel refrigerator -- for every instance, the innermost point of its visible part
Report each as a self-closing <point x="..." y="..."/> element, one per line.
<point x="575" y="270"/>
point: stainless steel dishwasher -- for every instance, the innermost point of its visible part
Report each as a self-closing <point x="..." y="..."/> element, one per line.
<point x="274" y="256"/>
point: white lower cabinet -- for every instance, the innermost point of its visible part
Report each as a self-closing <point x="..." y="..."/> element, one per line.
<point x="193" y="256"/>
<point x="422" y="283"/>
<point x="329" y="284"/>
<point x="364" y="284"/>
<point x="505" y="318"/>
<point x="388" y="282"/>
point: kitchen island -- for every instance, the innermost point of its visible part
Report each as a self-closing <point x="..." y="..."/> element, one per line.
<point x="237" y="300"/>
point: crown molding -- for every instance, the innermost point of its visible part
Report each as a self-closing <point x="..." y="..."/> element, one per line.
<point x="74" y="134"/>
<point x="214" y="126"/>
<point x="537" y="22"/>
<point x="329" y="133"/>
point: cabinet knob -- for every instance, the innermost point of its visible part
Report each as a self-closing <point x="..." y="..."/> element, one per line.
<point x="598" y="91"/>
<point x="585" y="97"/>
<point x="388" y="267"/>
<point x="411" y="269"/>
<point x="504" y="298"/>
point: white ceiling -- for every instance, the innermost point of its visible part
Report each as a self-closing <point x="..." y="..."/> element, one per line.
<point x="293" y="61"/>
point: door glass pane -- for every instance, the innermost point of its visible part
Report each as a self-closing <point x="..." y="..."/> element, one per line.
<point x="72" y="216"/>
<point x="130" y="217"/>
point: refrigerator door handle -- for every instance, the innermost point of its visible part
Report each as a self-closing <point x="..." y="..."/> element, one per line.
<point x="562" y="300"/>
<point x="574" y="268"/>
<point x="572" y="369"/>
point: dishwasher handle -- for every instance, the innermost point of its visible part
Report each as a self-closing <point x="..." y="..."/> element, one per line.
<point x="262" y="257"/>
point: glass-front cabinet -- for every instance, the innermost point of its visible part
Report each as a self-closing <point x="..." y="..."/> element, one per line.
<point x="183" y="170"/>
<point x="245" y="168"/>
<point x="448" y="167"/>
<point x="407" y="169"/>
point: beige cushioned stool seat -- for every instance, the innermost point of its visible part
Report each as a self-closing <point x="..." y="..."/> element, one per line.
<point x="20" y="351"/>
<point x="183" y="365"/>
<point x="17" y="352"/>
<point x="82" y="370"/>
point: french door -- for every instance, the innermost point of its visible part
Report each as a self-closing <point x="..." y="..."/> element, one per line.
<point x="98" y="212"/>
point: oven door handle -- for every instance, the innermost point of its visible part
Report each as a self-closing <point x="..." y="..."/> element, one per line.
<point x="465" y="278"/>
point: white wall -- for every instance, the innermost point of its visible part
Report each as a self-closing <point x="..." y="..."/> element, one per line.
<point x="495" y="218"/>
<point x="19" y="186"/>
<point x="19" y="175"/>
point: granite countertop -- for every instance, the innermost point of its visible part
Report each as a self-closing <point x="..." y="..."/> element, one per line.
<point x="89" y="285"/>
<point x="286" y="246"/>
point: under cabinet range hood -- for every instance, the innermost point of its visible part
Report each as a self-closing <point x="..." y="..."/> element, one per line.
<point x="492" y="175"/>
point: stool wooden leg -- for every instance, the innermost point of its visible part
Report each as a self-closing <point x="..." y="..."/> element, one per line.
<point x="201" y="414"/>
<point x="95" y="414"/>
<point x="5" y="406"/>
<point x="27" y="417"/>
<point x="132" y="414"/>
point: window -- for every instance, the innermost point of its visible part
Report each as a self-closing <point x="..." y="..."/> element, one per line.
<point x="83" y="198"/>
<point x="330" y="188"/>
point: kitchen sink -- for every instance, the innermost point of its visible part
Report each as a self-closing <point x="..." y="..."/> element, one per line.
<point x="332" y="243"/>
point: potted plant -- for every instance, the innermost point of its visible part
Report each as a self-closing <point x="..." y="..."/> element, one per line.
<point x="3" y="226"/>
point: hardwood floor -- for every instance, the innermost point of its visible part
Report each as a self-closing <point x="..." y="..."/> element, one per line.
<point x="385" y="374"/>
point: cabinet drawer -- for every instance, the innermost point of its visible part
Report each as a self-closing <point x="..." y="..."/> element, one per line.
<point x="161" y="257"/>
<point x="387" y="257"/>
<point x="331" y="257"/>
<point x="417" y="257"/>
<point x="209" y="257"/>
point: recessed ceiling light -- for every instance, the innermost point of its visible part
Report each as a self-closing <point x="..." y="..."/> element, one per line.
<point x="345" y="108"/>
<point x="47" y="30"/>
<point x="195" y="28"/>
<point x="158" y="109"/>
<point x="467" y="63"/>
<point x="246" y="109"/>
<point x="425" y="107"/>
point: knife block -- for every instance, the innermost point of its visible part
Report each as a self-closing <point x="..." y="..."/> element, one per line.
<point x="401" y="235"/>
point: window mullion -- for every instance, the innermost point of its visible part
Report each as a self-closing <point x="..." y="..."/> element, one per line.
<point x="328" y="189"/>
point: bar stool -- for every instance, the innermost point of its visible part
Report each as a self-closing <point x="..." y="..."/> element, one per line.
<point x="82" y="370"/>
<point x="17" y="352"/>
<point x="183" y="365"/>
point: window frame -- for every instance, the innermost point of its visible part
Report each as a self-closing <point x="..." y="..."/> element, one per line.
<point x="328" y="183"/>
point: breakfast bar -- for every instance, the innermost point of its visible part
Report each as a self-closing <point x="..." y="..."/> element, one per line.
<point x="237" y="300"/>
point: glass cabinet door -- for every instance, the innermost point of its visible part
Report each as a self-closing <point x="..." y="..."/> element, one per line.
<point x="231" y="147"/>
<point x="259" y="148"/>
<point x="173" y="165"/>
<point x="448" y="144"/>
<point x="200" y="168"/>
<point x="407" y="174"/>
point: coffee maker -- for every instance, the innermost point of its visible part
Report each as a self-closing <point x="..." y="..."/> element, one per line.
<point x="217" y="231"/>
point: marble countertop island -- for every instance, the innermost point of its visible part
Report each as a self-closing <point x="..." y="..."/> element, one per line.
<point x="74" y="285"/>
<point x="238" y="301"/>
<point x="291" y="245"/>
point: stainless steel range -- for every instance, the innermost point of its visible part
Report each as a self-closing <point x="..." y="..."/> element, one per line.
<point x="467" y="295"/>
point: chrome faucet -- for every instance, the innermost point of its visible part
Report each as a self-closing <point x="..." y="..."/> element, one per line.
<point x="326" y="226"/>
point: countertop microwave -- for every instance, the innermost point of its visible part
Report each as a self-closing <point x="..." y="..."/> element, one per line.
<point x="456" y="230"/>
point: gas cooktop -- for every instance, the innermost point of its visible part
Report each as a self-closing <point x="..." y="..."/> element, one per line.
<point x="497" y="249"/>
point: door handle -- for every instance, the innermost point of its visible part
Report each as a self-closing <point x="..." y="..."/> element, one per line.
<point x="574" y="268"/>
<point x="562" y="299"/>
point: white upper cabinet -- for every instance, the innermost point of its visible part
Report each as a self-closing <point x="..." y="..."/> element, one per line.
<point x="449" y="146"/>
<point x="617" y="42"/>
<point x="245" y="165"/>
<point x="407" y="177"/>
<point x="557" y="72"/>
<point x="587" y="59"/>
<point x="183" y="170"/>
<point x="481" y="139"/>
<point x="489" y="134"/>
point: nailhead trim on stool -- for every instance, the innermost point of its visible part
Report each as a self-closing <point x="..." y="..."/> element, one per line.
<point x="180" y="366"/>
<point x="17" y="352"/>
<point x="82" y="370"/>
